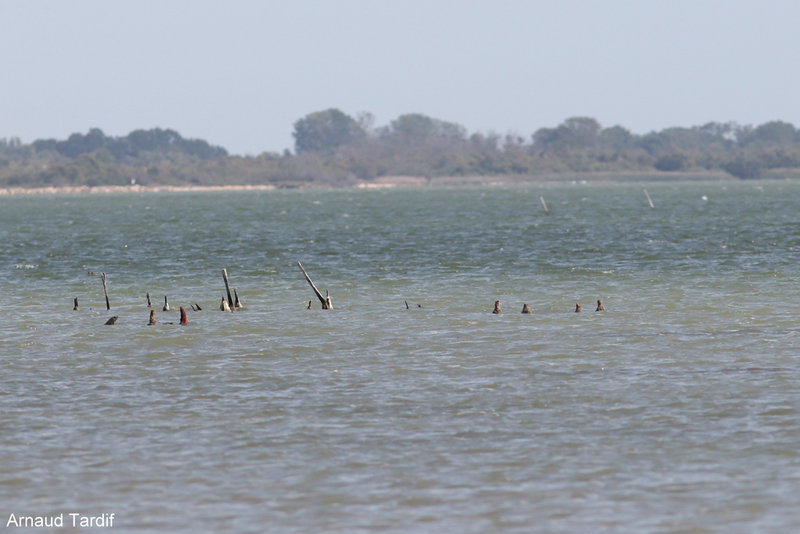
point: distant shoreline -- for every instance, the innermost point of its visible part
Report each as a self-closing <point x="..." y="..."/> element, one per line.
<point x="101" y="189"/>
<point x="386" y="182"/>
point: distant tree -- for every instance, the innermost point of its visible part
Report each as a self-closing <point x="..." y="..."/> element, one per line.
<point x="775" y="133"/>
<point x="415" y="127"/>
<point x="674" y="161"/>
<point x="727" y="130"/>
<point x="573" y="133"/>
<point x="615" y="138"/>
<point x="324" y="131"/>
<point x="743" y="166"/>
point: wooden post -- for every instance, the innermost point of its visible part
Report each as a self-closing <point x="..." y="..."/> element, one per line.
<point x="105" y="290"/>
<point x="497" y="308"/>
<point x="149" y="304"/>
<point x="166" y="304"/>
<point x="184" y="317"/>
<point x="649" y="201"/>
<point x="152" y="318"/>
<point x="326" y="300"/>
<point x="75" y="304"/>
<point x="544" y="205"/>
<point x="231" y="303"/>
<point x="237" y="304"/>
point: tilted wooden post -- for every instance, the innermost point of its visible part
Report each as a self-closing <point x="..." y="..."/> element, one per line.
<point x="326" y="300"/>
<point x="105" y="290"/>
<point x="231" y="303"/>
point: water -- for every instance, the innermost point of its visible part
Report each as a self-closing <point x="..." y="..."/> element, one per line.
<point x="675" y="410"/>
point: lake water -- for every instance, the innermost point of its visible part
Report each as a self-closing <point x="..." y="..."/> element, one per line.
<point x="677" y="409"/>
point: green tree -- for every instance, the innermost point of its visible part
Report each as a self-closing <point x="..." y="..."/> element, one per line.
<point x="674" y="161"/>
<point x="573" y="133"/>
<point x="418" y="128"/>
<point x="325" y="131"/>
<point x="775" y="133"/>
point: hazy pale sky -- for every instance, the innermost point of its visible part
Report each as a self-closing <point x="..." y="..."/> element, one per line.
<point x="239" y="73"/>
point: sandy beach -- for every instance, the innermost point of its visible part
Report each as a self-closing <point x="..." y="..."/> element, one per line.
<point x="128" y="189"/>
<point x="388" y="182"/>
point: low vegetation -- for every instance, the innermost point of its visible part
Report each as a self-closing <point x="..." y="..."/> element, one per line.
<point x="335" y="149"/>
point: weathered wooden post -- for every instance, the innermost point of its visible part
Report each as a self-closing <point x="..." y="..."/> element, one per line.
<point x="544" y="205"/>
<point x="649" y="201"/>
<point x="231" y="303"/>
<point x="326" y="300"/>
<point x="105" y="290"/>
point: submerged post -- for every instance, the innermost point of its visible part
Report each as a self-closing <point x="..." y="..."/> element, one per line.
<point x="231" y="303"/>
<point x="544" y="205"/>
<point x="649" y="200"/>
<point x="326" y="300"/>
<point x="105" y="290"/>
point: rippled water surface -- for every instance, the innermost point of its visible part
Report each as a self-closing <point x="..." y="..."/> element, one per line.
<point x="675" y="410"/>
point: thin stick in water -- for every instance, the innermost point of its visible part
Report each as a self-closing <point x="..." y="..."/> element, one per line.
<point x="649" y="200"/>
<point x="105" y="290"/>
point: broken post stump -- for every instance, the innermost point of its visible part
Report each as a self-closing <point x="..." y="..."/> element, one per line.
<point x="326" y="300"/>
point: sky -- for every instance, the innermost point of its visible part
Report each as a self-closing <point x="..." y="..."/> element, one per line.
<point x="240" y="73"/>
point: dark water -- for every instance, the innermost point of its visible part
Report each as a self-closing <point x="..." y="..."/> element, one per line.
<point x="675" y="410"/>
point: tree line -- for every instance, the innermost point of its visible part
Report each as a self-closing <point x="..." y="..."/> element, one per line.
<point x="333" y="148"/>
